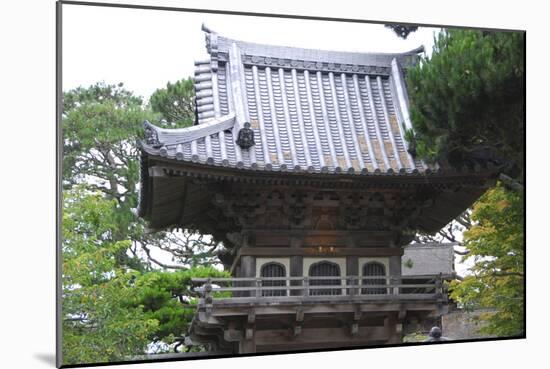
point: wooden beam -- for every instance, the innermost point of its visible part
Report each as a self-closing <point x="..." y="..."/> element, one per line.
<point x="320" y="335"/>
<point x="315" y="251"/>
<point x="232" y="335"/>
<point x="247" y="347"/>
<point x="324" y="308"/>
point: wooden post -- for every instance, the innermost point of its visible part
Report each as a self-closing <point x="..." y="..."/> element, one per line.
<point x="305" y="284"/>
<point x="439" y="286"/>
<point x="352" y="271"/>
<point x="296" y="270"/>
<point x="351" y="281"/>
<point x="247" y="346"/>
<point x="393" y="328"/>
<point x="208" y="299"/>
<point x="248" y="270"/>
<point x="259" y="287"/>
<point x="395" y="272"/>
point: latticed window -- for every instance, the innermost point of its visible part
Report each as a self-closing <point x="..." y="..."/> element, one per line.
<point x="273" y="270"/>
<point x="374" y="269"/>
<point x="325" y="269"/>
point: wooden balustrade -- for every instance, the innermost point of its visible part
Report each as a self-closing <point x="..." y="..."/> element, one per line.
<point x="424" y="287"/>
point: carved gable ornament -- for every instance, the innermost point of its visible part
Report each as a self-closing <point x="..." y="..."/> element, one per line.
<point x="245" y="138"/>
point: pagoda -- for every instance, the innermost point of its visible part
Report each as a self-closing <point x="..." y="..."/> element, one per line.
<point x="298" y="163"/>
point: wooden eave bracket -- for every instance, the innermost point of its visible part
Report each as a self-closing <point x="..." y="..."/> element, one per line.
<point x="251" y="317"/>
<point x="249" y="332"/>
<point x="297" y="326"/>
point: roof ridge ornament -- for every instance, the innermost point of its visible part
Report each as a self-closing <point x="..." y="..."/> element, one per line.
<point x="151" y="135"/>
<point x="245" y="138"/>
<point x="402" y="30"/>
<point x="206" y="29"/>
<point x="211" y="39"/>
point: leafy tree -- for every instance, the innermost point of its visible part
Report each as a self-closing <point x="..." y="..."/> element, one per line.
<point x="467" y="100"/>
<point x="112" y="313"/>
<point x="115" y="303"/>
<point x="101" y="125"/>
<point x="496" y="244"/>
<point x="467" y="106"/>
<point x="168" y="299"/>
<point x="176" y="102"/>
<point x="98" y="324"/>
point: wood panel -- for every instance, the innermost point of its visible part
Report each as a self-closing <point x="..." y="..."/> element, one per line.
<point x="320" y="251"/>
<point x="321" y="335"/>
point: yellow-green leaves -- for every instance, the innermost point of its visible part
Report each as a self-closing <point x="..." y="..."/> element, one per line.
<point x="496" y="245"/>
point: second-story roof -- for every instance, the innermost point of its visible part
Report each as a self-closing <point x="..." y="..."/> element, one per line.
<point x="310" y="111"/>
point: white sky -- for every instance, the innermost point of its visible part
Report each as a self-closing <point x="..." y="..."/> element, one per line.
<point x="147" y="48"/>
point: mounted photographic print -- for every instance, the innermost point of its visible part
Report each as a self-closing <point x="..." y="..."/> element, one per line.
<point x="237" y="184"/>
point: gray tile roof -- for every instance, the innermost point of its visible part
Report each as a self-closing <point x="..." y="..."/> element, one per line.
<point x="311" y="110"/>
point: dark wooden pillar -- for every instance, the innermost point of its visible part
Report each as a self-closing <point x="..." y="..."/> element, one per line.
<point x="247" y="346"/>
<point x="352" y="269"/>
<point x="393" y="328"/>
<point x="247" y="270"/>
<point x="248" y="266"/>
<point x="296" y="270"/>
<point x="296" y="265"/>
<point x="395" y="271"/>
<point x="395" y="265"/>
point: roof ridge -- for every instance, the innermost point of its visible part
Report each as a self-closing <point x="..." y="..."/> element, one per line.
<point x="187" y="134"/>
<point x="216" y="43"/>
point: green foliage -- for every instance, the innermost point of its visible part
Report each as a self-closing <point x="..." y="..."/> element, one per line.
<point x="98" y="325"/>
<point x="114" y="305"/>
<point x="168" y="299"/>
<point x="113" y="313"/>
<point x="415" y="337"/>
<point x="469" y="95"/>
<point x="100" y="127"/>
<point x="496" y="245"/>
<point x="176" y="102"/>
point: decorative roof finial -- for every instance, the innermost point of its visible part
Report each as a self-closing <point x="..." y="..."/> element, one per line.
<point x="402" y="30"/>
<point x="246" y="137"/>
<point x="151" y="135"/>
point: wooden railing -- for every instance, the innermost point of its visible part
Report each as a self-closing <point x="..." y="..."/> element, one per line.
<point x="423" y="287"/>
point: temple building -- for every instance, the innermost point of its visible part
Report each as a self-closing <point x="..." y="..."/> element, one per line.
<point x="298" y="163"/>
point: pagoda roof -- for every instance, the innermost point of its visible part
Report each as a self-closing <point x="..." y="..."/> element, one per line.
<point x="311" y="111"/>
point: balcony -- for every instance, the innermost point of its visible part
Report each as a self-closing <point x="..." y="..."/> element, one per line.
<point x="311" y="290"/>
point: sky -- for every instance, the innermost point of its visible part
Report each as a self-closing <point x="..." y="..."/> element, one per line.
<point x="145" y="49"/>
